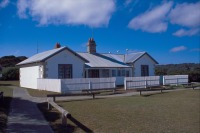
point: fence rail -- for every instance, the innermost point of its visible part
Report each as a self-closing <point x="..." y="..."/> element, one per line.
<point x="65" y="114"/>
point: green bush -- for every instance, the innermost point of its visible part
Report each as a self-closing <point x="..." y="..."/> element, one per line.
<point x="10" y="73"/>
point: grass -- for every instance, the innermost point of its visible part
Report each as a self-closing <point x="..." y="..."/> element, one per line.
<point x="4" y="107"/>
<point x="9" y="83"/>
<point x="175" y="112"/>
<point x="39" y="93"/>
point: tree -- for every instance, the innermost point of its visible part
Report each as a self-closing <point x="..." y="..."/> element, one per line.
<point x="11" y="61"/>
<point x="10" y="73"/>
<point x="191" y="69"/>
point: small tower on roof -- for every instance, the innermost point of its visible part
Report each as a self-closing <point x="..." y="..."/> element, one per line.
<point x="91" y="46"/>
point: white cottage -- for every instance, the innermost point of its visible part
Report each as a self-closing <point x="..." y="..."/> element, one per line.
<point x="63" y="63"/>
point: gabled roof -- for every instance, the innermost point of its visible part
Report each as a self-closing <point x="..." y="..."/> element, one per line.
<point x="101" y="60"/>
<point x="40" y="57"/>
<point x="133" y="57"/>
<point x="129" y="58"/>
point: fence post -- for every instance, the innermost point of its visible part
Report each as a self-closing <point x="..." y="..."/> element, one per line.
<point x="64" y="119"/>
<point x="125" y="84"/>
<point x="90" y="87"/>
<point x="177" y="82"/>
<point x="145" y="82"/>
<point x="163" y="80"/>
<point x="114" y="83"/>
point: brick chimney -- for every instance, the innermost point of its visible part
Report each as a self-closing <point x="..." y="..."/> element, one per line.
<point x="57" y="45"/>
<point x="91" y="46"/>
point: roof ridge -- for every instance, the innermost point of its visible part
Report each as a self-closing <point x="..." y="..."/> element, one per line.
<point x="52" y="49"/>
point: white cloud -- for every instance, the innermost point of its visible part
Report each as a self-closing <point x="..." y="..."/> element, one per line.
<point x="22" y="7"/>
<point x="183" y="32"/>
<point x="186" y="14"/>
<point x="153" y="20"/>
<point x="4" y="3"/>
<point x="178" y="49"/>
<point x="93" y="13"/>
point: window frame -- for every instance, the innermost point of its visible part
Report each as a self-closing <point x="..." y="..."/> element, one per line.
<point x="65" y="71"/>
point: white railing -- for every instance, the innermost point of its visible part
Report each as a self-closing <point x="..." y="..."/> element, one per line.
<point x="175" y="79"/>
<point x="75" y="85"/>
<point x="141" y="82"/>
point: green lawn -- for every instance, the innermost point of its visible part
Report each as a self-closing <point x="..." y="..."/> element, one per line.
<point x="174" y="112"/>
<point x="4" y="107"/>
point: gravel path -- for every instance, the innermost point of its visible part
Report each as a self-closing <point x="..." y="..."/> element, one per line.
<point x="24" y="116"/>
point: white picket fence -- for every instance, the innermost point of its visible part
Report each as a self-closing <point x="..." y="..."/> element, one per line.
<point x="175" y="79"/>
<point x="49" y="85"/>
<point x="75" y="85"/>
<point x="141" y="82"/>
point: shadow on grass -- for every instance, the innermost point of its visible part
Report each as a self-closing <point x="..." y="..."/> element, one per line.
<point x="4" y="111"/>
<point x="80" y="125"/>
<point x="5" y="84"/>
<point x="78" y="100"/>
<point x="54" y="118"/>
<point x="152" y="94"/>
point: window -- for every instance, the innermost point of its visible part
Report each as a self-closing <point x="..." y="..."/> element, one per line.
<point x="123" y="72"/>
<point x="105" y="73"/>
<point x="144" y="70"/>
<point x="64" y="71"/>
<point x="93" y="73"/>
<point x="127" y="73"/>
<point x="119" y="73"/>
<point x="114" y="73"/>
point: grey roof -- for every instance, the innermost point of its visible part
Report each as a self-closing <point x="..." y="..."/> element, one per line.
<point x="101" y="60"/>
<point x="129" y="58"/>
<point x="132" y="57"/>
<point x="45" y="55"/>
<point x="92" y="60"/>
<point x="118" y="57"/>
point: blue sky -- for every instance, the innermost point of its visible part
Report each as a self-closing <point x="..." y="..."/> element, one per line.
<point x="168" y="30"/>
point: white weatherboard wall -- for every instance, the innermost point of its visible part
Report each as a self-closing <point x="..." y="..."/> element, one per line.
<point x="144" y="60"/>
<point x="28" y="76"/>
<point x="64" y="57"/>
